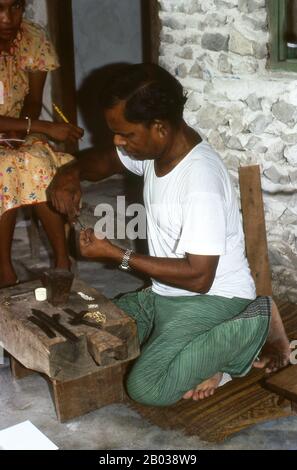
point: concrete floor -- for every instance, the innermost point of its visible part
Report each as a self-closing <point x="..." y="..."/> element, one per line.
<point x="116" y="426"/>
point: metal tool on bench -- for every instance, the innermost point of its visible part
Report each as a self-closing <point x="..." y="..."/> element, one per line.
<point x="79" y="318"/>
<point x="36" y="321"/>
<point x="54" y="324"/>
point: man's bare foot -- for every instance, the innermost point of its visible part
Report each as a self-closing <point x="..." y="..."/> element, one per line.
<point x="204" y="389"/>
<point x="276" y="351"/>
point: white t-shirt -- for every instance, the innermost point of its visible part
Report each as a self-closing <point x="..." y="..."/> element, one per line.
<point x="193" y="209"/>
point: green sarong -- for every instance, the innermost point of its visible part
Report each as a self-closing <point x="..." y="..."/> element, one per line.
<point x="186" y="340"/>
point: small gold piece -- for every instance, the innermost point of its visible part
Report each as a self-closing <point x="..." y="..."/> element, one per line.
<point x="97" y="316"/>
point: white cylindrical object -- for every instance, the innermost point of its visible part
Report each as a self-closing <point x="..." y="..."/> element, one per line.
<point x="40" y="294"/>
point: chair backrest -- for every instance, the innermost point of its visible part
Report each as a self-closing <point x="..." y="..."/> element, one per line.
<point x="254" y="227"/>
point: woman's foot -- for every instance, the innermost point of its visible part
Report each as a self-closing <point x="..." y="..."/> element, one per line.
<point x="205" y="389"/>
<point x="276" y="351"/>
<point x="64" y="264"/>
<point x="8" y="279"/>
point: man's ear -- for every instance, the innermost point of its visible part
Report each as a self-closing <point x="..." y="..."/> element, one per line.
<point x="161" y="127"/>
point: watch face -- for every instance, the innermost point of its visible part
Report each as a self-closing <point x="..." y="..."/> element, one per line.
<point x="124" y="268"/>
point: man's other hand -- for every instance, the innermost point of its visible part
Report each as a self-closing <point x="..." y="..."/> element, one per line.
<point x="65" y="192"/>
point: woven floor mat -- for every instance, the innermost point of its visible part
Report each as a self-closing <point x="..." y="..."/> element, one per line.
<point x="235" y="406"/>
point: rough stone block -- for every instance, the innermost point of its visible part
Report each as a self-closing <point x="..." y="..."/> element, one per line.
<point x="225" y="4"/>
<point x="249" y="6"/>
<point x="254" y="102"/>
<point x="215" y="42"/>
<point x="245" y="66"/>
<point x="234" y="143"/>
<point x="255" y="144"/>
<point x="289" y="139"/>
<point x="274" y="175"/>
<point x="239" y="44"/>
<point x="215" y="20"/>
<point x="259" y="124"/>
<point x="173" y="22"/>
<point x="258" y="21"/>
<point x="181" y="71"/>
<point x="194" y="101"/>
<point x="291" y="155"/>
<point x="216" y="141"/>
<point x="186" y="53"/>
<point x="284" y="112"/>
<point x="196" y="70"/>
<point x="166" y="37"/>
<point x="210" y="116"/>
<point x="224" y="65"/>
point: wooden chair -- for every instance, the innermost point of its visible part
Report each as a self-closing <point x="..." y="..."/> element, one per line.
<point x="284" y="382"/>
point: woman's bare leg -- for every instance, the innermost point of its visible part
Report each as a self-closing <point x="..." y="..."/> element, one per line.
<point x="7" y="224"/>
<point x="54" y="227"/>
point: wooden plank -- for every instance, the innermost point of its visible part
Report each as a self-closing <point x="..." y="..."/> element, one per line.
<point x="254" y="228"/>
<point x="63" y="79"/>
<point x="106" y="349"/>
<point x="151" y="30"/>
<point x="77" y="397"/>
<point x="284" y="383"/>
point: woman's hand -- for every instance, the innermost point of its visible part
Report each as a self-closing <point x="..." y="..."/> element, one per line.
<point x="15" y="135"/>
<point x="63" y="132"/>
<point x="19" y="136"/>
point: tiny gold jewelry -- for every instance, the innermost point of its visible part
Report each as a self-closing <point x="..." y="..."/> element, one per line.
<point x="97" y="316"/>
<point x="29" y="124"/>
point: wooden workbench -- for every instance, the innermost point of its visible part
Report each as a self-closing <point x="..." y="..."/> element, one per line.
<point x="87" y="372"/>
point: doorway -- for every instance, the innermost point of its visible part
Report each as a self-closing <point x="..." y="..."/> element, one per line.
<point x="90" y="35"/>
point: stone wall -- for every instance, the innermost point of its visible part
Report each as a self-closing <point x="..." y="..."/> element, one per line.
<point x="218" y="50"/>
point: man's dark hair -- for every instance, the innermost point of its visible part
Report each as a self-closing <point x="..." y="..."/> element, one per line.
<point x="150" y="93"/>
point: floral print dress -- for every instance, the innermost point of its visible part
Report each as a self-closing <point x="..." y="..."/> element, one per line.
<point x="26" y="172"/>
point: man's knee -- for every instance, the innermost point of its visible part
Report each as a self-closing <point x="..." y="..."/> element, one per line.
<point x="143" y="391"/>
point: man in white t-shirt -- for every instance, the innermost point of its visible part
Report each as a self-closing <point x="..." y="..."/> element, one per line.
<point x="201" y="317"/>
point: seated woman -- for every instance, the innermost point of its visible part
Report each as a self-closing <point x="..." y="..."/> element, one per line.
<point x="26" y="170"/>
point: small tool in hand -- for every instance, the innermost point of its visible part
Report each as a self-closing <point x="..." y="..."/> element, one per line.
<point x="82" y="226"/>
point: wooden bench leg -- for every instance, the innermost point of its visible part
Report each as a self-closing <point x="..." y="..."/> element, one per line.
<point x="77" y="397"/>
<point x="18" y="371"/>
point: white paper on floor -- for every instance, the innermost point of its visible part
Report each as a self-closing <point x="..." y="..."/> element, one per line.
<point x="25" y="436"/>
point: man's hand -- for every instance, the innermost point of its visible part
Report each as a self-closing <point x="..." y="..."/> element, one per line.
<point x="93" y="247"/>
<point x="63" y="132"/>
<point x="65" y="192"/>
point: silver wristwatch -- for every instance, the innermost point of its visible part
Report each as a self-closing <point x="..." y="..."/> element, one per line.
<point x="125" y="261"/>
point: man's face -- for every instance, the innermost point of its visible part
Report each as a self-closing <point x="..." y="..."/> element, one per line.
<point x="138" y="140"/>
<point x="11" y="14"/>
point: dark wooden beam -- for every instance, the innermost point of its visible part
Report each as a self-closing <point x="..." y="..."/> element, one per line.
<point x="63" y="80"/>
<point x="151" y="28"/>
